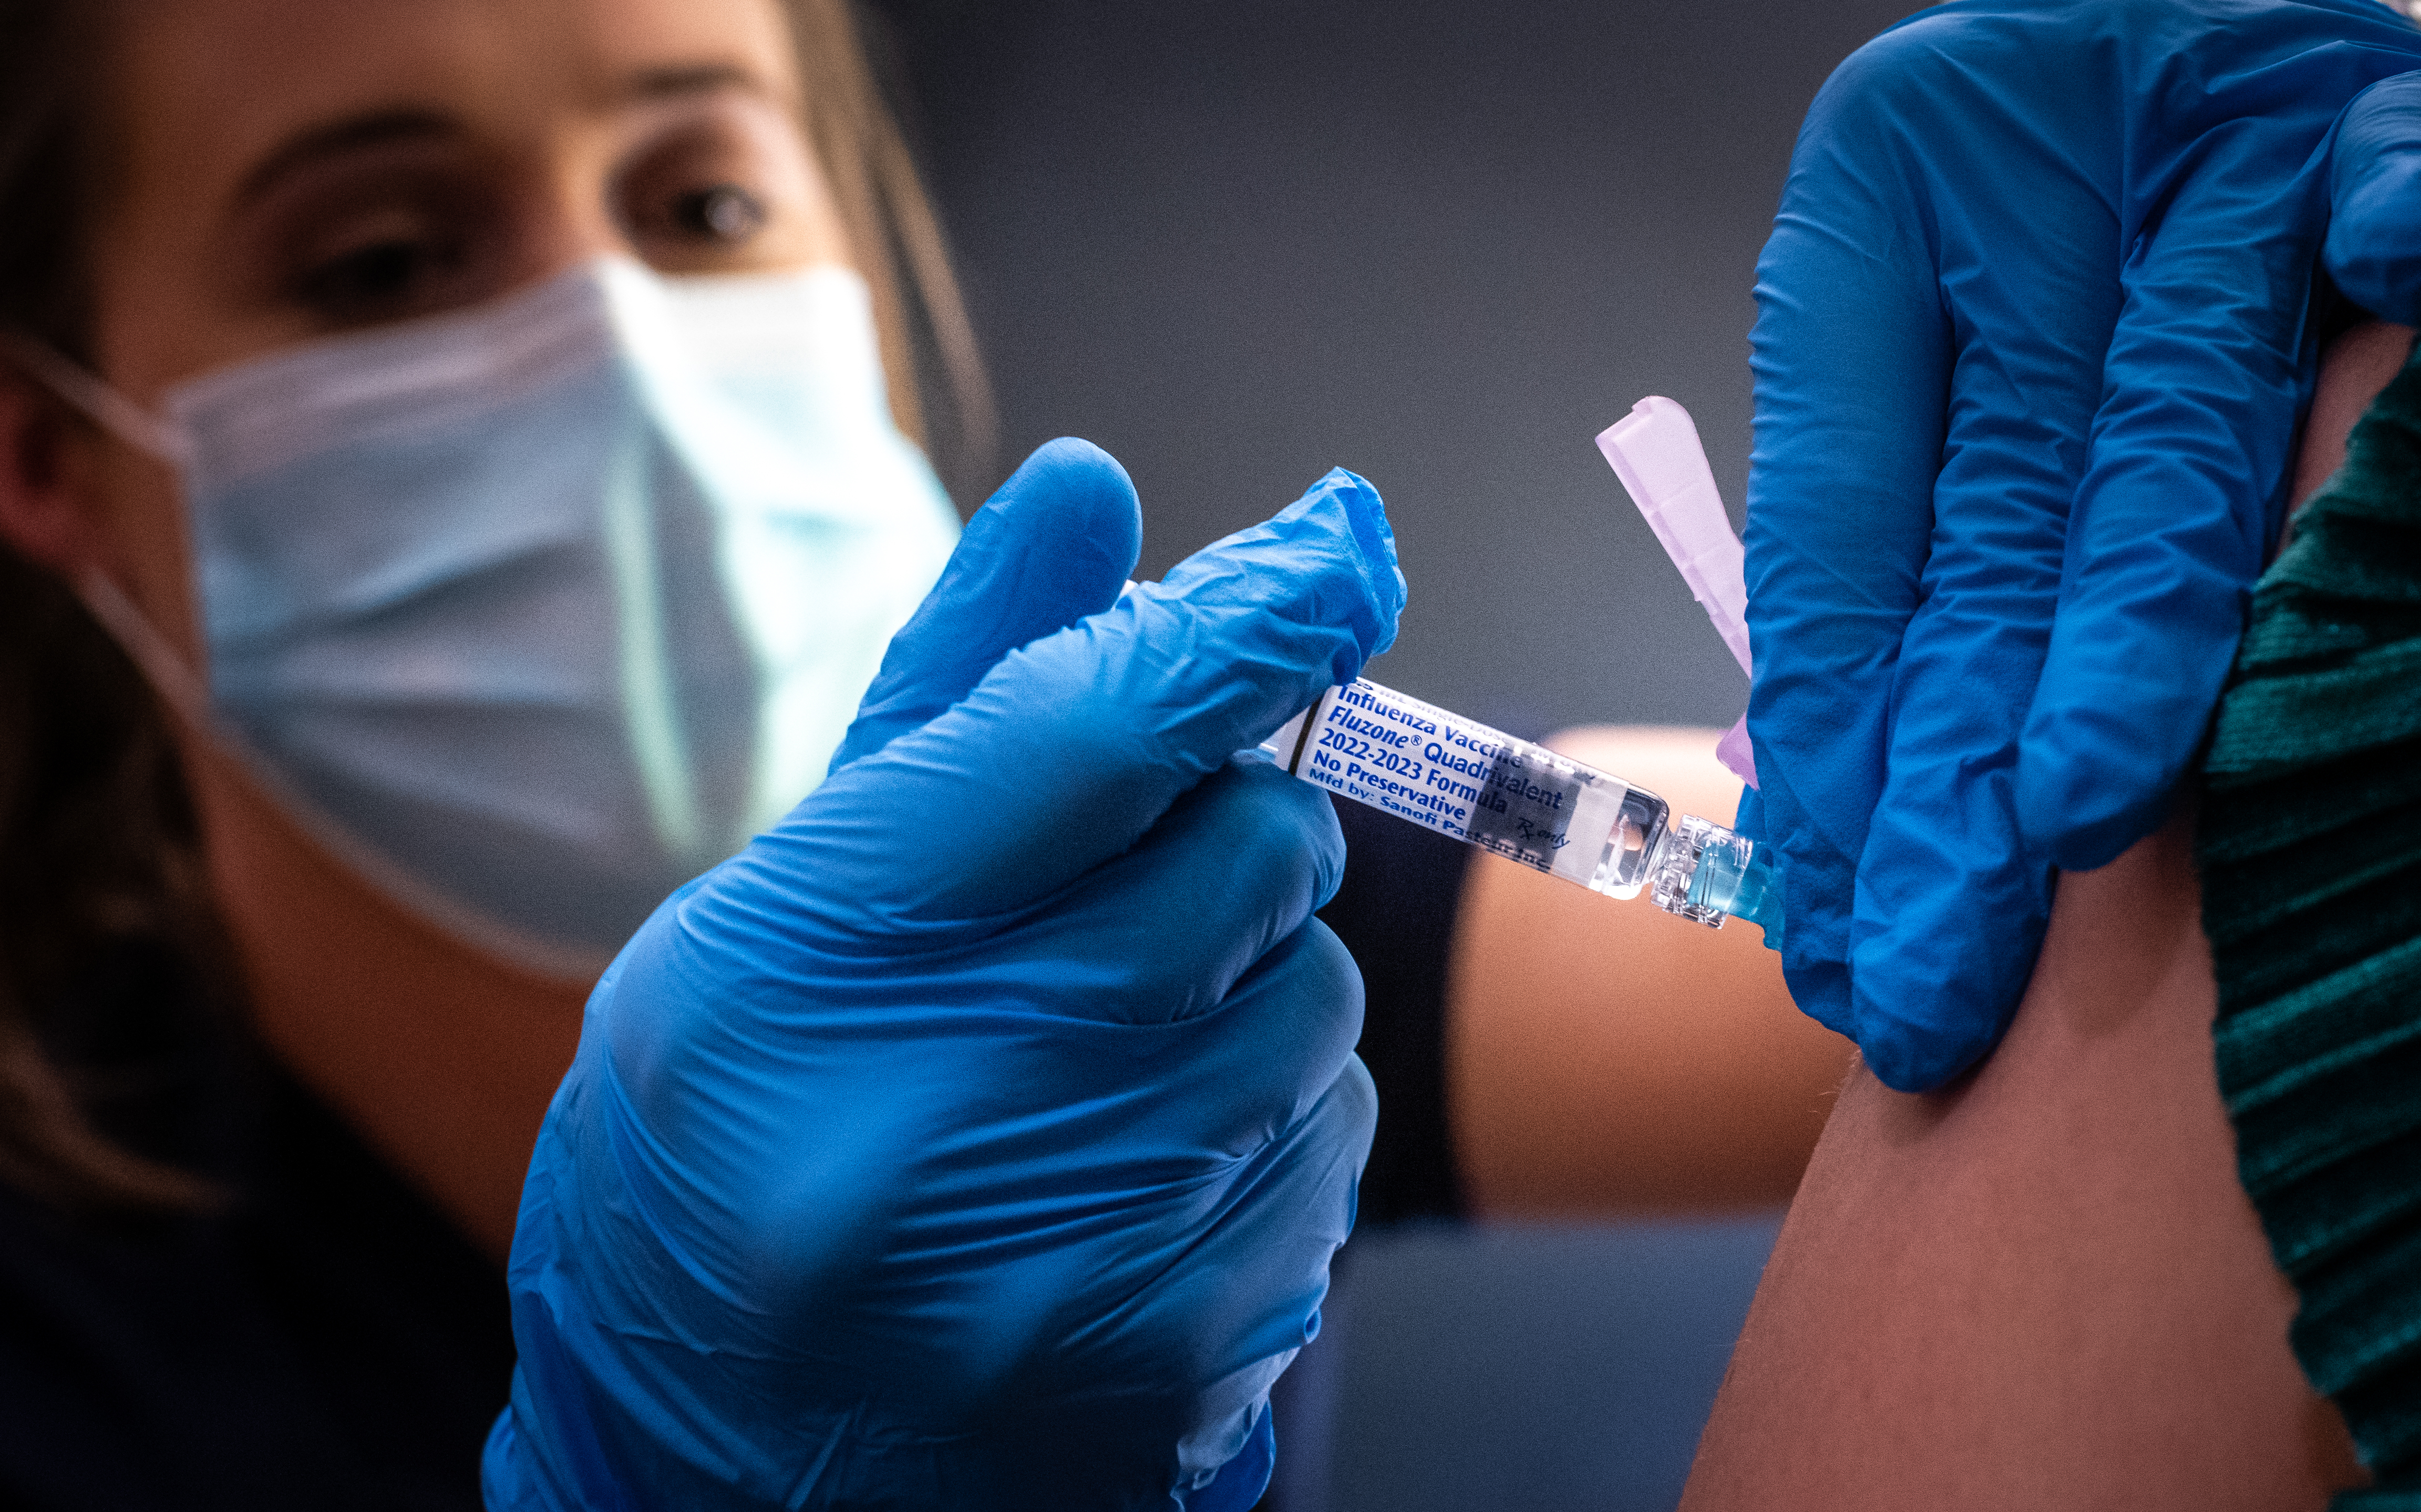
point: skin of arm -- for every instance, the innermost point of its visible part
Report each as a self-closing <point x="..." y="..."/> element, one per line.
<point x="1604" y="1057"/>
<point x="2044" y="1286"/>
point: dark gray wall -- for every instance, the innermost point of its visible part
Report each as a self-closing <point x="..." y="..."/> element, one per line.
<point x="1526" y="1368"/>
<point x="1442" y="244"/>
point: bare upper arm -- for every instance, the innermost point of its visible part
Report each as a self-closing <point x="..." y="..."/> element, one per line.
<point x="1605" y="1056"/>
<point x="2043" y="1287"/>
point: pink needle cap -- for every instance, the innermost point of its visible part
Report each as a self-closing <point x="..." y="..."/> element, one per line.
<point x="1654" y="450"/>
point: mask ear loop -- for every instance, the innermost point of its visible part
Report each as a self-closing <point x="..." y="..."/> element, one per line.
<point x="121" y="417"/>
<point x="96" y="402"/>
<point x="188" y="698"/>
<point x="149" y="651"/>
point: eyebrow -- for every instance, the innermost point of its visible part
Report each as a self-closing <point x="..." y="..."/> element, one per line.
<point x="387" y="127"/>
<point x="693" y="79"/>
<point x="378" y="129"/>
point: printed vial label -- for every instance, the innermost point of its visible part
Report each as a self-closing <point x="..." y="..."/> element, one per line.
<point x="1446" y="773"/>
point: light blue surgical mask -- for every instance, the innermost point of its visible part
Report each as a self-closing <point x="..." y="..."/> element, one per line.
<point x="537" y="609"/>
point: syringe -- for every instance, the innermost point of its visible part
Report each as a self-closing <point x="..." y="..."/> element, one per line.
<point x="1526" y="803"/>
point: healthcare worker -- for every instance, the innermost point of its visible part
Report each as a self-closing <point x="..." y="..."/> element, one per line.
<point x="486" y="428"/>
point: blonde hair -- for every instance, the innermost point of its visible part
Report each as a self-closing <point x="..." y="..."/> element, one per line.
<point x="896" y="237"/>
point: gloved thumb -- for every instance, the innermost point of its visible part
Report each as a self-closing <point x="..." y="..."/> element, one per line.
<point x="2374" y="245"/>
<point x="1069" y="750"/>
<point x="1055" y="543"/>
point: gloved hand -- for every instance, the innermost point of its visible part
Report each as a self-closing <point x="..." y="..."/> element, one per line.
<point x="2031" y="344"/>
<point x="978" y="1137"/>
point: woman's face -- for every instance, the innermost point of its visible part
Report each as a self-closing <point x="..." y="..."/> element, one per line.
<point x="287" y="169"/>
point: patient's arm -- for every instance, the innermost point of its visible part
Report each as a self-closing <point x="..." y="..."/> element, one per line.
<point x="2359" y="363"/>
<point x="2044" y="1287"/>
<point x="1606" y="1057"/>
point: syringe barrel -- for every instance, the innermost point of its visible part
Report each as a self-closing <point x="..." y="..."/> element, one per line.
<point x="1526" y="803"/>
<point x="1459" y="778"/>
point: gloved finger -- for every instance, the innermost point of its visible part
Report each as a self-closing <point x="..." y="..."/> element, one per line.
<point x="1164" y="931"/>
<point x="2206" y="373"/>
<point x="1073" y="746"/>
<point x="1273" y="1223"/>
<point x="2373" y="249"/>
<point x="1917" y="493"/>
<point x="2206" y="376"/>
<point x="1253" y="1121"/>
<point x="1852" y="353"/>
<point x="1950" y="907"/>
<point x="1055" y="543"/>
<point x="1284" y="1032"/>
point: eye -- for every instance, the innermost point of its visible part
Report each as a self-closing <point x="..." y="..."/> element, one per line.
<point x="719" y="185"/>
<point x="412" y="221"/>
<point x="722" y="213"/>
<point x="380" y="247"/>
<point x="380" y="279"/>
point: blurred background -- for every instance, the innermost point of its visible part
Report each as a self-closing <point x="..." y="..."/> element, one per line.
<point x="1444" y="245"/>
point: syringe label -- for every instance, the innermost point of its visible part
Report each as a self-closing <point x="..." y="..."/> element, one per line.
<point x="1377" y="746"/>
<point x="1525" y="810"/>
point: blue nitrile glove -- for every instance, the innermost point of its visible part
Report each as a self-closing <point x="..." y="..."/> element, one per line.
<point x="2374" y="247"/>
<point x="2031" y="344"/>
<point x="978" y="1137"/>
